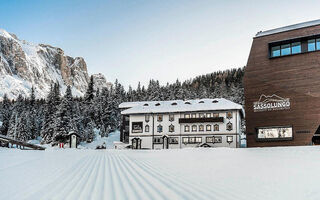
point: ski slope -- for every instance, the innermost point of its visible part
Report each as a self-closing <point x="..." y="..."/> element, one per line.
<point x="268" y="173"/>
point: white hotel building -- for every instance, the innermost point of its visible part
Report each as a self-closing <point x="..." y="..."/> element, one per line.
<point x="180" y="124"/>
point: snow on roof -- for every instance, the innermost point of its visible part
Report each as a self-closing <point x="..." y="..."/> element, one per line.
<point x="288" y="28"/>
<point x="179" y="106"/>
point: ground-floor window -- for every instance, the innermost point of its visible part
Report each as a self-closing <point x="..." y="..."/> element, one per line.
<point x="191" y="140"/>
<point x="217" y="139"/>
<point x="173" y="140"/>
<point x="209" y="139"/>
<point x="157" y="140"/>
<point x="208" y="127"/>
<point x="229" y="139"/>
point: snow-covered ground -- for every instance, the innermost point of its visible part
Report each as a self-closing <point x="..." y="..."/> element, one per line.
<point x="108" y="141"/>
<point x="221" y="173"/>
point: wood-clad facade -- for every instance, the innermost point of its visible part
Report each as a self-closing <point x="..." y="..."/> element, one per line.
<point x="292" y="79"/>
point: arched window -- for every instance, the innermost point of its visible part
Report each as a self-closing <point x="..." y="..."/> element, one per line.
<point x="159" y="128"/>
<point x="216" y="127"/>
<point x="186" y="128"/>
<point x="194" y="128"/>
<point x="201" y="128"/>
<point x="171" y="128"/>
<point x="157" y="104"/>
<point x="174" y="104"/>
<point x="229" y="126"/>
<point x="208" y="127"/>
<point x="146" y="128"/>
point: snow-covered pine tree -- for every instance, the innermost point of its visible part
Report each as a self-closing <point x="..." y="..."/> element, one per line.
<point x="5" y="115"/>
<point x="47" y="129"/>
<point x="23" y="131"/>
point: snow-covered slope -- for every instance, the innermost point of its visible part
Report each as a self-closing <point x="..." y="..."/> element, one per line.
<point x="215" y="173"/>
<point x="23" y="65"/>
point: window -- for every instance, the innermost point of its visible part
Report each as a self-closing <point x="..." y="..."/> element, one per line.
<point x="275" y="51"/>
<point x="217" y="139"/>
<point x="157" y="140"/>
<point x="274" y="133"/>
<point x="187" y="116"/>
<point x="312" y="45"/>
<point x="137" y="127"/>
<point x="216" y="127"/>
<point x="318" y="44"/>
<point x="229" y="139"/>
<point x="159" y="129"/>
<point x="173" y="140"/>
<point x="201" y="101"/>
<point x="208" y="115"/>
<point x="171" y="118"/>
<point x="147" y="117"/>
<point x="146" y="128"/>
<point x="174" y="104"/>
<point x="296" y="47"/>
<point x="194" y="115"/>
<point x="160" y="118"/>
<point x="194" y="128"/>
<point x="186" y="128"/>
<point x="208" y="127"/>
<point x="229" y="126"/>
<point x="229" y="115"/>
<point x="285" y="50"/>
<point x="215" y="114"/>
<point x="201" y="128"/>
<point x="171" y="128"/>
<point x="187" y="103"/>
<point x="209" y="139"/>
<point x="215" y="101"/>
<point x="201" y="115"/>
<point x="145" y="104"/>
<point x="157" y="104"/>
<point x="191" y="140"/>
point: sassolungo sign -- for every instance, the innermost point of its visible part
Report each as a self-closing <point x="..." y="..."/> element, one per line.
<point x="270" y="103"/>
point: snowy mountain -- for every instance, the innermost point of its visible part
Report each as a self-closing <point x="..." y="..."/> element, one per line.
<point x="23" y="65"/>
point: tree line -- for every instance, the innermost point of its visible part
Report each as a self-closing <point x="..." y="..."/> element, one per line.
<point x="53" y="118"/>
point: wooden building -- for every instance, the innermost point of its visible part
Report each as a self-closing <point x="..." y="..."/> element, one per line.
<point x="282" y="86"/>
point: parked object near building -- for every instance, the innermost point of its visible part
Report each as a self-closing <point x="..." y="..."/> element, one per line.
<point x="181" y="124"/>
<point x="74" y="139"/>
<point x="282" y="93"/>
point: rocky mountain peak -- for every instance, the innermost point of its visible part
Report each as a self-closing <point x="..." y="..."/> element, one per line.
<point x="23" y="65"/>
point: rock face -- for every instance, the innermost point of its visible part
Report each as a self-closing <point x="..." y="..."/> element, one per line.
<point x="23" y="65"/>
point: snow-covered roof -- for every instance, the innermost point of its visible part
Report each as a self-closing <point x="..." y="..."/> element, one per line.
<point x="179" y="106"/>
<point x="289" y="28"/>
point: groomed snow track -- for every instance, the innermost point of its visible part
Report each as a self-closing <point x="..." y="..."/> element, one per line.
<point x="172" y="174"/>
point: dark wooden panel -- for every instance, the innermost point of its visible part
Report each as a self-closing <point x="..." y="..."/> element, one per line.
<point x="296" y="77"/>
<point x="200" y="120"/>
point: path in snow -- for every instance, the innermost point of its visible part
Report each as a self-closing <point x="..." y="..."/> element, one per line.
<point x="270" y="173"/>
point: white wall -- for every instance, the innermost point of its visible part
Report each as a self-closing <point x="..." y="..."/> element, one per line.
<point x="146" y="137"/>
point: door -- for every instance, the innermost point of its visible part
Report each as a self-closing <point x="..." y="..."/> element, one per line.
<point x="74" y="141"/>
<point x="165" y="142"/>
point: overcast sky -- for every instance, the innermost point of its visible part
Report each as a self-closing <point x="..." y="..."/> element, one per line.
<point x="160" y="39"/>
